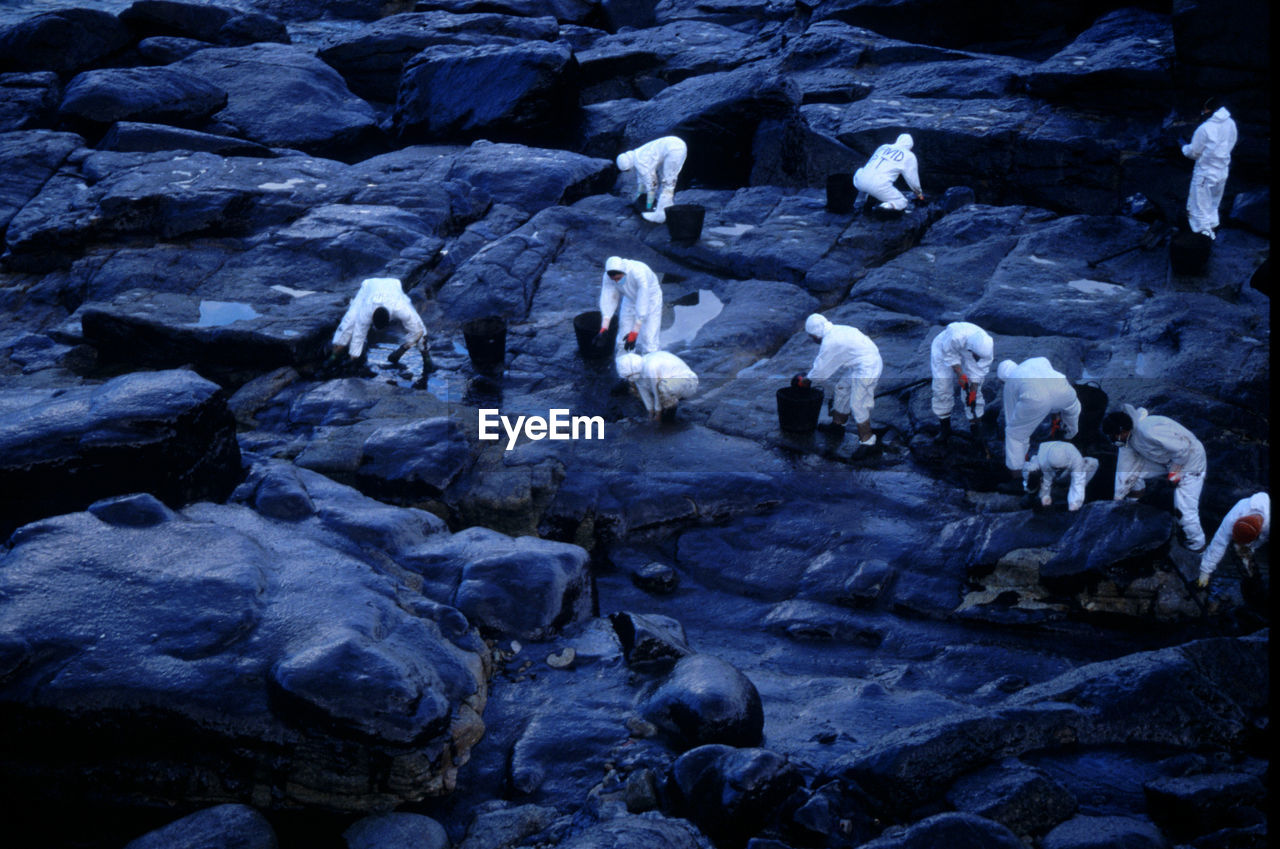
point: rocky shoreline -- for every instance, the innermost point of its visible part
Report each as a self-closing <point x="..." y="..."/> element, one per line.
<point x="249" y="600"/>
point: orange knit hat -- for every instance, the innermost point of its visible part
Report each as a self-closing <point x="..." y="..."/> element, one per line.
<point x="1246" y="529"/>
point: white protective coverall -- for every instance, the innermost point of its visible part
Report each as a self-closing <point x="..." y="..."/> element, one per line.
<point x="664" y="380"/>
<point x="968" y="346"/>
<point x="848" y="350"/>
<point x="1033" y="390"/>
<point x="1211" y="148"/>
<point x="1055" y="459"/>
<point x="379" y="292"/>
<point x="1158" y="446"/>
<point x="641" y="297"/>
<point x="881" y="171"/>
<point x="657" y="165"/>
<point x="1259" y="503"/>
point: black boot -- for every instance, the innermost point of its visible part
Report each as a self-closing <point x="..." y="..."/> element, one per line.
<point x="944" y="429"/>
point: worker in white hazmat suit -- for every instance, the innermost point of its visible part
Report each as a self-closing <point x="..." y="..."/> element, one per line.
<point x="1055" y="460"/>
<point x="1154" y="446"/>
<point x="850" y="357"/>
<point x="1246" y="528"/>
<point x="882" y="170"/>
<point x="961" y="353"/>
<point x="1033" y="390"/>
<point x="633" y="285"/>
<point x="657" y="165"/>
<point x="1210" y="147"/>
<point x="661" y="379"/>
<point x="379" y="302"/>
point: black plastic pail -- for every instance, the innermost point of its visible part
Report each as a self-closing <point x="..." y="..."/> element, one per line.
<point x="840" y="193"/>
<point x="585" y="326"/>
<point x="1189" y="252"/>
<point x="798" y="408"/>
<point x="486" y="340"/>
<point x="684" y="222"/>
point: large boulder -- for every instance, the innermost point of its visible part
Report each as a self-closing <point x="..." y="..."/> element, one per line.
<point x="229" y="24"/>
<point x="28" y="100"/>
<point x="263" y="82"/>
<point x="64" y="41"/>
<point x="227" y="825"/>
<point x="372" y="58"/>
<point x="233" y="639"/>
<point x="706" y="700"/>
<point x="523" y="91"/>
<point x="159" y="95"/>
<point x="731" y="793"/>
<point x="168" y="433"/>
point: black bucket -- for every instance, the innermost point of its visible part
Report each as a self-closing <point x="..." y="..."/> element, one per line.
<point x="840" y="193"/>
<point x="684" y="222"/>
<point x="585" y="326"/>
<point x="486" y="340"/>
<point x="1189" y="252"/>
<point x="798" y="408"/>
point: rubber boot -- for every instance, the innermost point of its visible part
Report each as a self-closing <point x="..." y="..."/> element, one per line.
<point x="944" y="429"/>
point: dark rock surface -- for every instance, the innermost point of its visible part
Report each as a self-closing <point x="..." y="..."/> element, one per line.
<point x="282" y="602"/>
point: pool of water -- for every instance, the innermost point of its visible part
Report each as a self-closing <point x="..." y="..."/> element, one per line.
<point x="218" y="313"/>
<point x="688" y="319"/>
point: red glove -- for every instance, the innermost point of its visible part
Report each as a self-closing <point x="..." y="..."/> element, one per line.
<point x="603" y="331"/>
<point x="964" y="382"/>
<point x="971" y="397"/>
<point x="631" y="341"/>
<point x="800" y="381"/>
<point x="1175" y="476"/>
<point x="1055" y="424"/>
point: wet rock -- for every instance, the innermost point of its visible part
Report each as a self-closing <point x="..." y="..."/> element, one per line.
<point x="396" y="831"/>
<point x="210" y="22"/>
<point x="731" y="793"/>
<point x="650" y="643"/>
<point x="271" y="629"/>
<point x="167" y="330"/>
<point x="30" y="159"/>
<point x="648" y="829"/>
<point x="28" y="100"/>
<point x="1023" y="799"/>
<point x="1123" y="53"/>
<point x="226" y="826"/>
<point x="1086" y="832"/>
<point x="158" y="95"/>
<point x="168" y="433"/>
<point x="522" y="587"/>
<point x="259" y="80"/>
<point x="135" y="137"/>
<point x="706" y="700"/>
<point x="1110" y="539"/>
<point x="372" y="58"/>
<point x="1096" y="704"/>
<point x="415" y="460"/>
<point x="524" y="90"/>
<point x="835" y="814"/>
<point x="64" y="41"/>
<point x="801" y="620"/>
<point x="506" y="826"/>
<point x="961" y="830"/>
<point x="656" y="578"/>
<point x="1252" y="211"/>
<point x="1186" y="807"/>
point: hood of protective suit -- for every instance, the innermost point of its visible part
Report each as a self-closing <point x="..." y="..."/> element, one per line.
<point x="626" y="161"/>
<point x="1221" y="114"/>
<point x="983" y="347"/>
<point x="614" y="263"/>
<point x="904" y="141"/>
<point x="816" y="325"/>
<point x="628" y="366"/>
<point x="1005" y="369"/>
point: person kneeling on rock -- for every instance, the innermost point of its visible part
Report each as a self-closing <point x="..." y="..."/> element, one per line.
<point x="849" y="352"/>
<point x="661" y="379"/>
<point x="1054" y="460"/>
<point x="380" y="301"/>
<point x="886" y="165"/>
